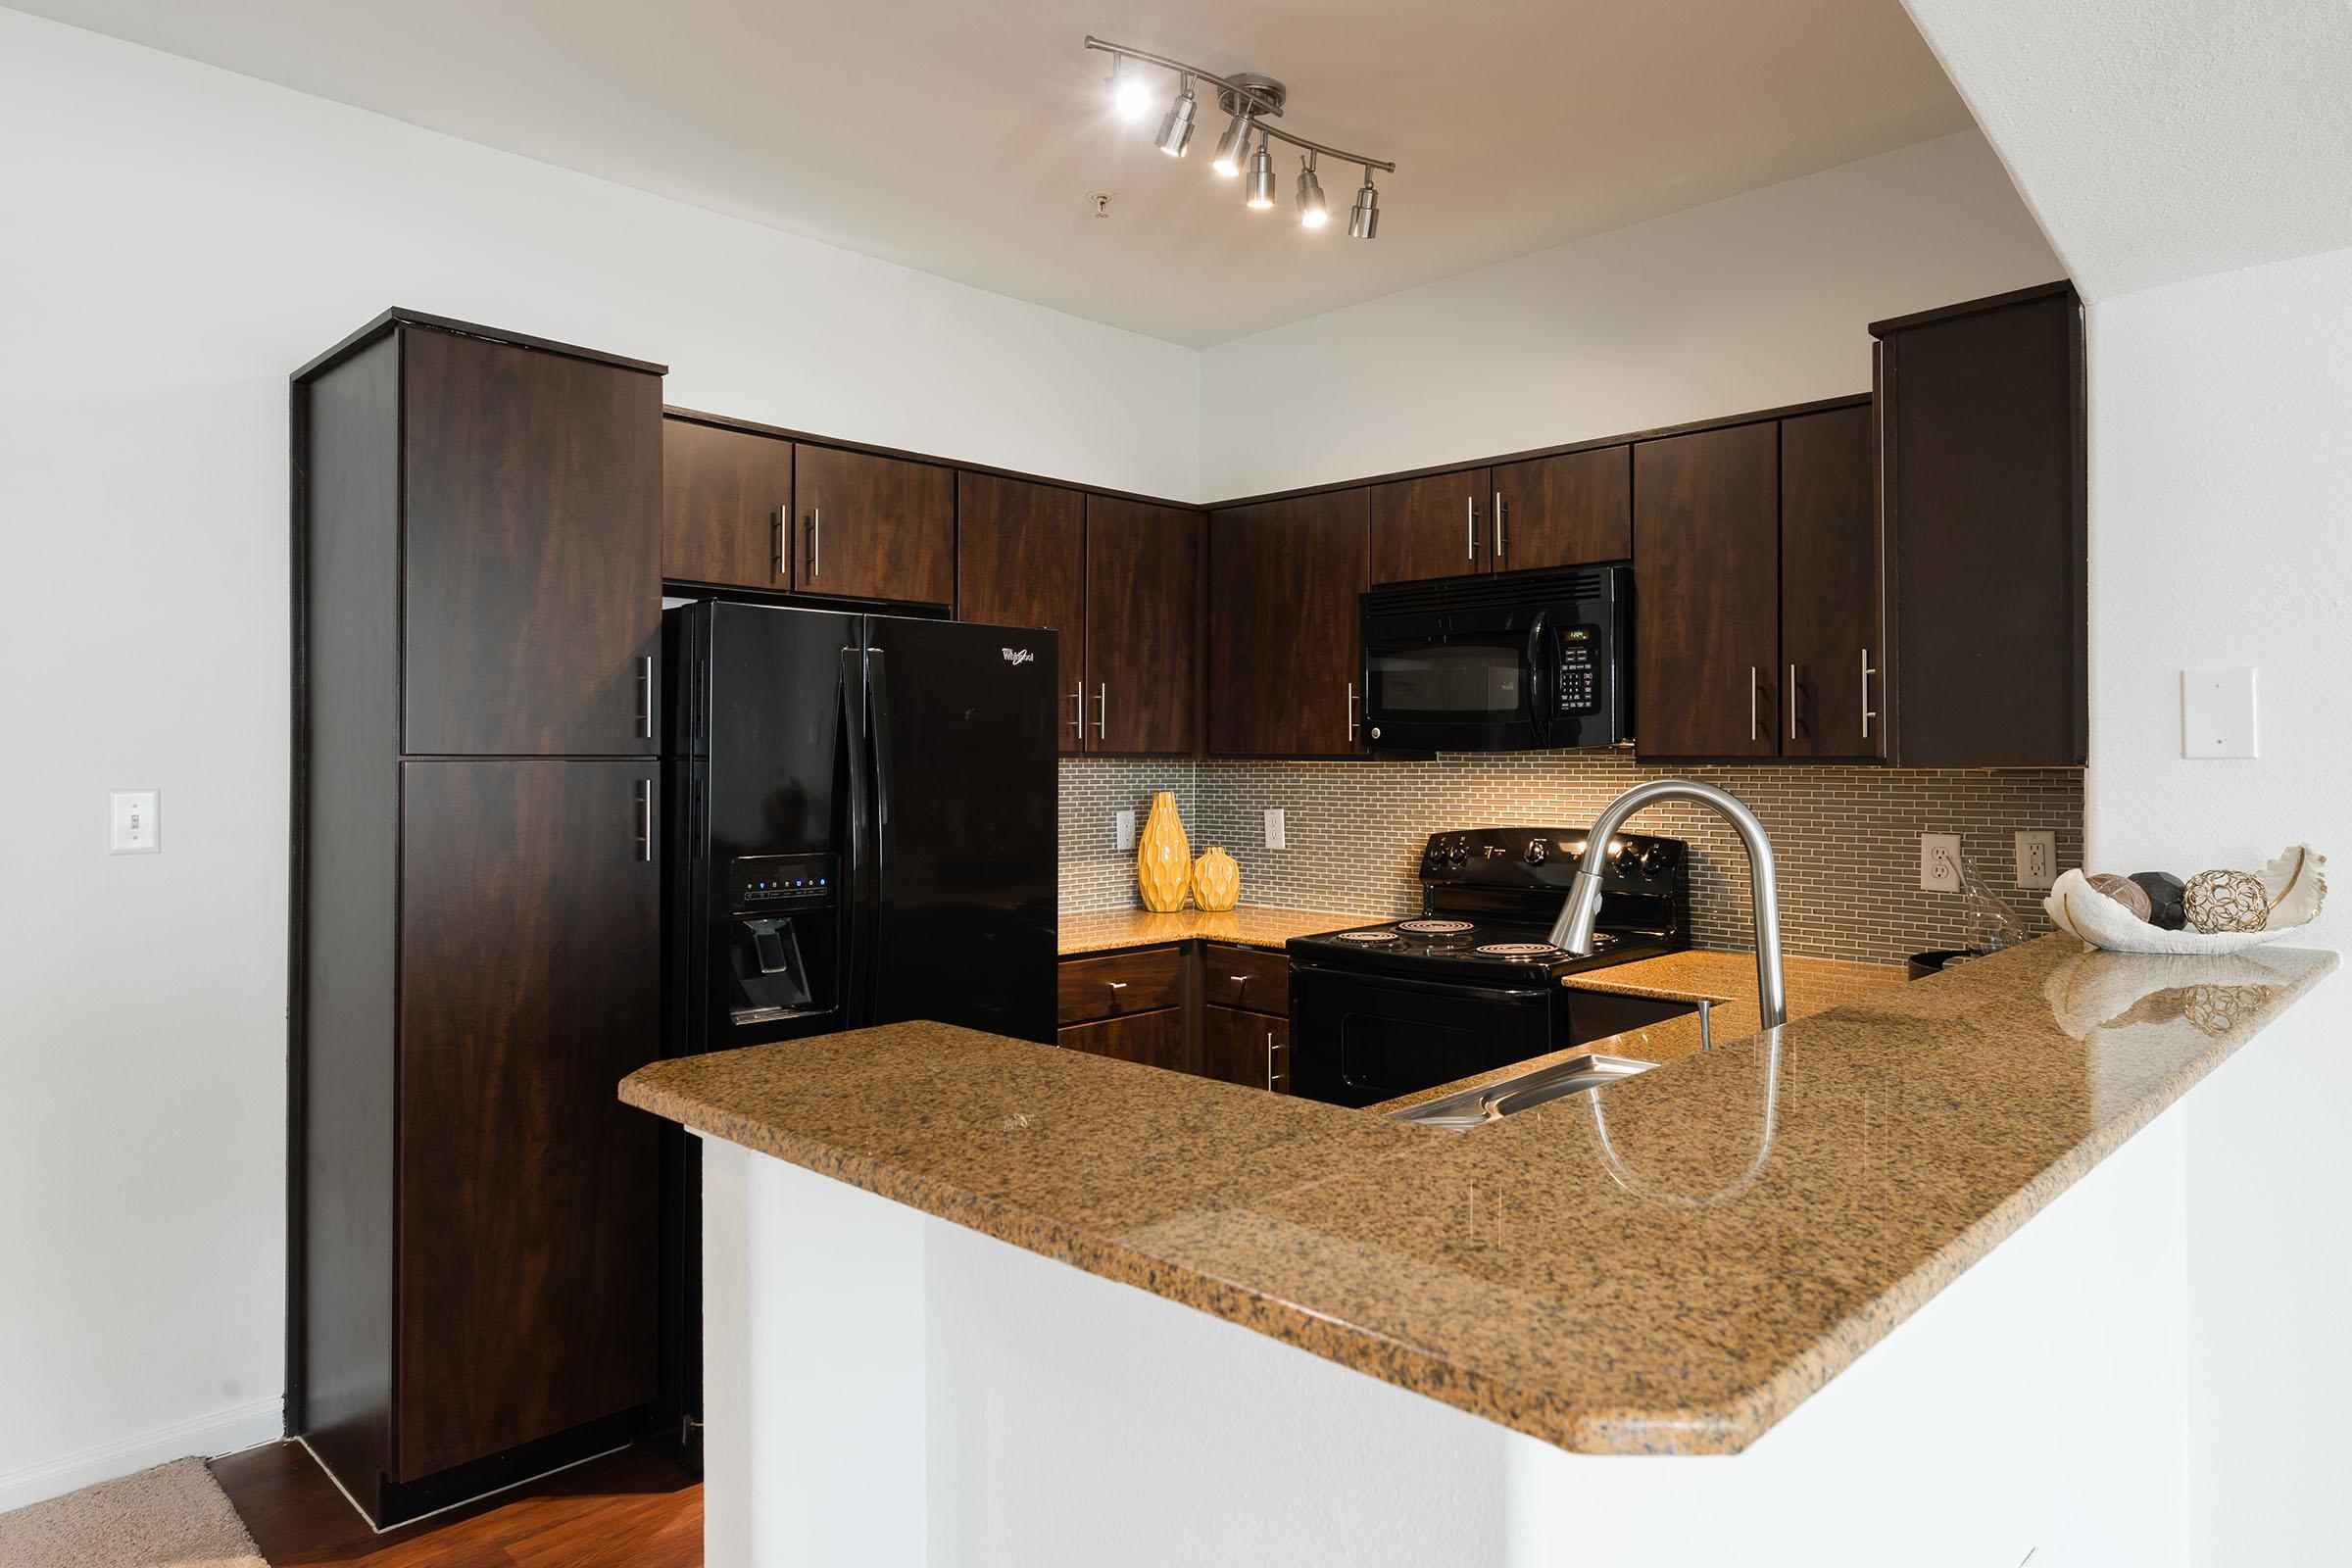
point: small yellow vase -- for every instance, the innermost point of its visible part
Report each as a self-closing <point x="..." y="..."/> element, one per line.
<point x="1216" y="880"/>
<point x="1163" y="856"/>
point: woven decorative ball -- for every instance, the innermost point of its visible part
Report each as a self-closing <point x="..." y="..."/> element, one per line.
<point x="2226" y="900"/>
<point x="2124" y="891"/>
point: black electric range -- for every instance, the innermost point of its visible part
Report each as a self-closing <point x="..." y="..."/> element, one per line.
<point x="1472" y="983"/>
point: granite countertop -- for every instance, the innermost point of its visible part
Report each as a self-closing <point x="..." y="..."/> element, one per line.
<point x="1250" y="926"/>
<point x="1670" y="1265"/>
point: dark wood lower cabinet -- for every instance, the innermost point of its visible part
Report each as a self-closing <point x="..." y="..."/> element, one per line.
<point x="1154" y="1039"/>
<point x="1245" y="1048"/>
<point x="529" y="986"/>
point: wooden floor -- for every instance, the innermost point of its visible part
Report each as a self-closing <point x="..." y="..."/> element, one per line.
<point x="633" y="1508"/>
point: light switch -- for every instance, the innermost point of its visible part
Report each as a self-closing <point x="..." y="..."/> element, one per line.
<point x="1275" y="839"/>
<point x="2216" y="712"/>
<point x="133" y="822"/>
<point x="1124" y="825"/>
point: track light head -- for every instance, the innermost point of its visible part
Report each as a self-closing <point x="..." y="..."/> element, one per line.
<point x="1363" y="218"/>
<point x="1233" y="148"/>
<point x="1176" y="130"/>
<point x="1260" y="189"/>
<point x="1312" y="212"/>
<point x="1130" y="94"/>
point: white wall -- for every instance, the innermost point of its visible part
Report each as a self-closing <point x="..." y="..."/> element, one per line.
<point x="1756" y="301"/>
<point x="176" y="239"/>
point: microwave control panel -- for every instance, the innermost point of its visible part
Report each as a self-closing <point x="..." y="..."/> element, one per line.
<point x="1580" y="669"/>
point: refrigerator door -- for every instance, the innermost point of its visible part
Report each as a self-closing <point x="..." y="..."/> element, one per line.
<point x="961" y="730"/>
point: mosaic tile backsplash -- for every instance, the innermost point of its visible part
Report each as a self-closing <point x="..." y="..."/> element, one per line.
<point x="1846" y="838"/>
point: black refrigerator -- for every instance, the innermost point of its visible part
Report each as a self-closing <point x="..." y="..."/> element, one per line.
<point x="862" y="829"/>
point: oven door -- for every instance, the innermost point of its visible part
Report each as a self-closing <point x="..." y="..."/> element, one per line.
<point x="1358" y="1039"/>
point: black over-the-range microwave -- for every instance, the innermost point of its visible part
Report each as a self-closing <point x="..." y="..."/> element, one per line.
<point x="1517" y="662"/>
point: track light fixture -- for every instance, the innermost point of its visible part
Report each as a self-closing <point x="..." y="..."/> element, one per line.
<point x="1363" y="218"/>
<point x="1251" y="101"/>
<point x="1176" y="131"/>
<point x="1260" y="191"/>
<point x="1312" y="213"/>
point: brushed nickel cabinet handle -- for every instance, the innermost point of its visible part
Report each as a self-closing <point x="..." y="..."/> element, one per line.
<point x="1116" y="985"/>
<point x="1754" y="696"/>
<point x="816" y="542"/>
<point x="1101" y="711"/>
<point x="1238" y="979"/>
<point x="1470" y="528"/>
<point x="1792" y="701"/>
<point x="1078" y="707"/>
<point x="645" y="697"/>
<point x="1269" y="1062"/>
<point x="783" y="522"/>
<point x="1867" y="714"/>
<point x="645" y="819"/>
<point x="1499" y="543"/>
<point x="1351" y="711"/>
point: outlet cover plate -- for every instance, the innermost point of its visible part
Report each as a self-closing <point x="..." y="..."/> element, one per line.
<point x="1276" y="837"/>
<point x="1940" y="863"/>
<point x="2037" y="858"/>
<point x="2216" y="712"/>
<point x="1124" y="825"/>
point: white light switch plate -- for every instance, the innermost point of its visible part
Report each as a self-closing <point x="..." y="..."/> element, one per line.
<point x="2216" y="712"/>
<point x="1275" y="838"/>
<point x="135" y="822"/>
<point x="1125" y="826"/>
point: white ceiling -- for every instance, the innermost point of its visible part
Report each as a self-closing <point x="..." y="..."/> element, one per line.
<point x="961" y="136"/>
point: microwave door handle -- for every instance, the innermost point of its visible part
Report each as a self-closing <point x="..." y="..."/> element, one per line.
<point x="1540" y="692"/>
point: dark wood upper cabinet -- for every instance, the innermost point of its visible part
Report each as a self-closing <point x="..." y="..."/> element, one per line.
<point x="1433" y="526"/>
<point x="531" y="525"/>
<point x="1708" y="601"/>
<point x="872" y="527"/>
<point x="726" y="506"/>
<point x="1021" y="559"/>
<point x="1829" y="586"/>
<point x="529" y="986"/>
<point x="1564" y="510"/>
<point x="1283" y="631"/>
<point x="1982" y="502"/>
<point x="1143" y="627"/>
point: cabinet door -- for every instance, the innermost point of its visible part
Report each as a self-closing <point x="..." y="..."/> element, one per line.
<point x="531" y="560"/>
<point x="1142" y="610"/>
<point x="1020" y="552"/>
<point x="1564" y="512"/>
<point x="529" y="986"/>
<point x="1245" y="1048"/>
<point x="1283" y="630"/>
<point x="1154" y="1039"/>
<point x="726" y="506"/>
<point x="872" y="527"/>
<point x="1983" y="494"/>
<point x="1707" y="600"/>
<point x="1431" y="528"/>
<point x="1829" y="584"/>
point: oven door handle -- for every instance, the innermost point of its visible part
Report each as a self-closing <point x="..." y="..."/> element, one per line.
<point x="1392" y="982"/>
<point x="1541" y="695"/>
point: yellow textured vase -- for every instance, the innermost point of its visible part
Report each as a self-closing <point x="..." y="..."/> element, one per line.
<point x="1163" y="856"/>
<point x="1216" y="880"/>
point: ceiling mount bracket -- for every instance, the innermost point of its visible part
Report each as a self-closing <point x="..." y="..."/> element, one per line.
<point x="1265" y="95"/>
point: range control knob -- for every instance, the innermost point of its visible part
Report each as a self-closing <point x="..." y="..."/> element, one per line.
<point x="1653" y="860"/>
<point x="1538" y="851"/>
<point x="1457" y="852"/>
<point x="1628" y="857"/>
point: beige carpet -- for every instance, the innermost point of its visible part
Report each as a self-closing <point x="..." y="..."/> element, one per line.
<point x="173" y="1516"/>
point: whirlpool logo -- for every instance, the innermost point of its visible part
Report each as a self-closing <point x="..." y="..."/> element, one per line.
<point x="1018" y="656"/>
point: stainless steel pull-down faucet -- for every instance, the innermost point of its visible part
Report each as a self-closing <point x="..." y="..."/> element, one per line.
<point x="1573" y="930"/>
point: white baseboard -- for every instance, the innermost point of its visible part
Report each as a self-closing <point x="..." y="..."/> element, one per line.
<point x="240" y="1425"/>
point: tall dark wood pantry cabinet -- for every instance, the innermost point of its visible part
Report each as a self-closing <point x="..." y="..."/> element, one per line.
<point x="476" y="907"/>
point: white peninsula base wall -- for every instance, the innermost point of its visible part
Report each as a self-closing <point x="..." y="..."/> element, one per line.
<point x="885" y="1388"/>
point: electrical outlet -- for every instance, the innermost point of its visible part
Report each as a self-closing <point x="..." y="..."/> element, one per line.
<point x="1275" y="838"/>
<point x="2037" y="858"/>
<point x="135" y="822"/>
<point x="1124" y="825"/>
<point x="1940" y="863"/>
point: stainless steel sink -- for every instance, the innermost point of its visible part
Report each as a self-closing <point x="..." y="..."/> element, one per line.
<point x="1475" y="1107"/>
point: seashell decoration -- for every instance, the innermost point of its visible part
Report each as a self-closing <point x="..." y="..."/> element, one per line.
<point x="2216" y="901"/>
<point x="2124" y="891"/>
